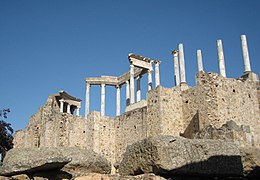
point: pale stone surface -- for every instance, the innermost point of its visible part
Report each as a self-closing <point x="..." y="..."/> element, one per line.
<point x="176" y="67"/>
<point x="199" y="59"/>
<point x="250" y="158"/>
<point x="103" y="99"/>
<point x="118" y="100"/>
<point x="247" y="65"/>
<point x="132" y="85"/>
<point x="150" y="80"/>
<point x="175" y="155"/>
<point x="87" y="99"/>
<point x="157" y="74"/>
<point x="182" y="64"/>
<point x="221" y="61"/>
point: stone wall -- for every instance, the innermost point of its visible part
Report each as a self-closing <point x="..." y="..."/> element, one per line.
<point x="129" y="128"/>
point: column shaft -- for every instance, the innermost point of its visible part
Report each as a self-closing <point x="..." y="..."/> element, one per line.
<point x="182" y="64"/>
<point x="68" y="109"/>
<point x="247" y="65"/>
<point x="138" y="89"/>
<point x="87" y="100"/>
<point x="61" y="105"/>
<point x="132" y="85"/>
<point x="150" y="80"/>
<point x="221" y="61"/>
<point x="127" y="93"/>
<point x="103" y="98"/>
<point x="118" y="100"/>
<point x="176" y="68"/>
<point x="199" y="59"/>
<point x="77" y="111"/>
<point x="157" y="74"/>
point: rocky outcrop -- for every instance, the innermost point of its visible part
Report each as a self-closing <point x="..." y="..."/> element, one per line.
<point x="169" y="155"/>
<point x="72" y="161"/>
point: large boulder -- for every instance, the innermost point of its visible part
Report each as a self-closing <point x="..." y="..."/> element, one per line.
<point x="18" y="161"/>
<point x="72" y="160"/>
<point x="169" y="155"/>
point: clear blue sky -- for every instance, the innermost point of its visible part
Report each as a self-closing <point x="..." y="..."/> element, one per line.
<point x="48" y="45"/>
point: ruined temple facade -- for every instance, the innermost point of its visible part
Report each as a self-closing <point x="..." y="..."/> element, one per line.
<point x="216" y="108"/>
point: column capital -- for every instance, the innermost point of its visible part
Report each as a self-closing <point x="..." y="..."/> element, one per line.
<point x="157" y="62"/>
<point x="175" y="53"/>
<point x="118" y="86"/>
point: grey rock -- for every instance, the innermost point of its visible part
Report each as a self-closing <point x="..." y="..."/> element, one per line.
<point x="169" y="155"/>
<point x="18" y="161"/>
<point x="70" y="160"/>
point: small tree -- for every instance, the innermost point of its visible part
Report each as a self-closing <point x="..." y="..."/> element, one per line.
<point x="6" y="133"/>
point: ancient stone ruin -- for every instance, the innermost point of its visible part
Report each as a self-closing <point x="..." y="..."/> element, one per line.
<point x="208" y="131"/>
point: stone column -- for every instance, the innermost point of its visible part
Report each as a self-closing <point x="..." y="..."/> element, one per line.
<point x="61" y="105"/>
<point x="68" y="109"/>
<point x="157" y="74"/>
<point x="77" y="111"/>
<point x="182" y="64"/>
<point x="221" y="61"/>
<point x="87" y="100"/>
<point x="150" y="80"/>
<point x="118" y="100"/>
<point x="138" y="89"/>
<point x="247" y="65"/>
<point x="176" y="67"/>
<point x="132" y="84"/>
<point x="127" y="93"/>
<point x="103" y="99"/>
<point x="199" y="59"/>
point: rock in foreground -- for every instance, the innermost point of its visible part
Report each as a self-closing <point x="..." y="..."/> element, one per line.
<point x="169" y="155"/>
<point x="74" y="161"/>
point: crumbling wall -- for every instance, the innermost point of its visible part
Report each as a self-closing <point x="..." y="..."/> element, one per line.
<point x="129" y="128"/>
<point x="164" y="111"/>
<point x="100" y="134"/>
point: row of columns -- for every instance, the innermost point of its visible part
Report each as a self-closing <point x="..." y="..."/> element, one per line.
<point x="179" y="69"/>
<point x="130" y="90"/>
<point x="68" y="107"/>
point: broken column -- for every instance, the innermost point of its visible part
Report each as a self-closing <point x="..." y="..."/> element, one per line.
<point x="176" y="67"/>
<point x="150" y="80"/>
<point x="221" y="61"/>
<point x="199" y="59"/>
<point x="68" y="108"/>
<point x="103" y="98"/>
<point x="118" y="100"/>
<point x="157" y="73"/>
<point x="132" y="84"/>
<point x="182" y="64"/>
<point x="77" y="111"/>
<point x="87" y="100"/>
<point x="247" y="66"/>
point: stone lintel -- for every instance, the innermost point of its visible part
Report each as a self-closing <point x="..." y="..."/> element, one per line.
<point x="108" y="80"/>
<point x="141" y="63"/>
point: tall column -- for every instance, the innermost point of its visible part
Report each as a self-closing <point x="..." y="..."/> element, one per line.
<point x="61" y="105"/>
<point x="132" y="84"/>
<point x="68" y="109"/>
<point x="157" y="74"/>
<point x="182" y="64"/>
<point x="127" y="93"/>
<point x="103" y="98"/>
<point x="176" y="67"/>
<point x="247" y="65"/>
<point x="199" y="59"/>
<point x="118" y="100"/>
<point x="77" y="111"/>
<point x="221" y="61"/>
<point x="150" y="80"/>
<point x="138" y="89"/>
<point x="87" y="100"/>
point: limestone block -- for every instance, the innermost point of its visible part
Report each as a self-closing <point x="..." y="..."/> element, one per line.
<point x="170" y="155"/>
